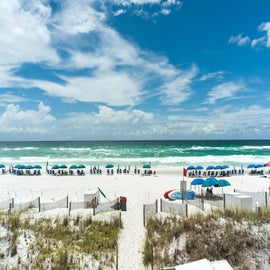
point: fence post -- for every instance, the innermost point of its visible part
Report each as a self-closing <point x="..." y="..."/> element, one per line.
<point x="152" y="261"/>
<point x="12" y="202"/>
<point x="144" y="215"/>
<point x="202" y="201"/>
<point x="116" y="263"/>
<point x="67" y="201"/>
<point x="224" y="201"/>
<point x="39" y="204"/>
<point x="161" y="205"/>
<point x="156" y="206"/>
<point x="94" y="208"/>
<point x="120" y="218"/>
<point x="9" y="208"/>
<point x="69" y="208"/>
<point x="266" y="199"/>
<point x="186" y="210"/>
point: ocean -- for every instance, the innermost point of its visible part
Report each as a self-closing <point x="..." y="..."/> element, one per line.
<point x="158" y="153"/>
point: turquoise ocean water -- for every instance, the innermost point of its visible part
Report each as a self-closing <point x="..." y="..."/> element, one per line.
<point x="159" y="153"/>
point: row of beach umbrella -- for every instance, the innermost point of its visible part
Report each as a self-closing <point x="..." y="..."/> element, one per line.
<point x="64" y="166"/>
<point x="210" y="182"/>
<point x="223" y="167"/>
<point x="27" y="167"/>
<point x="257" y="166"/>
<point x="145" y="166"/>
<point x="210" y="167"/>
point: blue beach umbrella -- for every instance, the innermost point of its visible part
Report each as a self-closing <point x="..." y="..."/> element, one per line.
<point x="225" y="167"/>
<point x="191" y="167"/>
<point x="199" y="167"/>
<point x="209" y="182"/>
<point x="73" y="166"/>
<point x="37" y="166"/>
<point x="218" y="167"/>
<point x="28" y="167"/>
<point x="210" y="167"/>
<point x="197" y="181"/>
<point x="55" y="167"/>
<point x="2" y="166"/>
<point x="258" y="166"/>
<point x="250" y="166"/>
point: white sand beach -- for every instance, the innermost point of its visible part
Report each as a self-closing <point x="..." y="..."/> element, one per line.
<point x="138" y="189"/>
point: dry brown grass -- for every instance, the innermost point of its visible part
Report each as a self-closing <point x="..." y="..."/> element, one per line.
<point x="219" y="235"/>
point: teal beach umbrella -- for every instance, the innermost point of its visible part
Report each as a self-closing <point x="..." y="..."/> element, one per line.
<point x="109" y="166"/>
<point x="209" y="182"/>
<point x="81" y="166"/>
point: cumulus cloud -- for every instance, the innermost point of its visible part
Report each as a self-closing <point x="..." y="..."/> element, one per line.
<point x="239" y="40"/>
<point x="250" y="121"/>
<point x="224" y="91"/>
<point x="254" y="42"/>
<point x="27" y="123"/>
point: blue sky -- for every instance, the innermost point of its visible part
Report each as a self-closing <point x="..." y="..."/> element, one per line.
<point x="134" y="69"/>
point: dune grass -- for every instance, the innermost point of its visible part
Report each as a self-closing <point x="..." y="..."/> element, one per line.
<point x="236" y="236"/>
<point x="57" y="243"/>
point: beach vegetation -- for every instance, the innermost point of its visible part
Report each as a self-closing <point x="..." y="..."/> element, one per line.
<point x="236" y="236"/>
<point x="58" y="243"/>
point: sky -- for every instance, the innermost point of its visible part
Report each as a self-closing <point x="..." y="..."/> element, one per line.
<point x="134" y="69"/>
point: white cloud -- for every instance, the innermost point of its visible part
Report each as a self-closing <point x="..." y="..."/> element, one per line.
<point x="146" y="2"/>
<point x="223" y="91"/>
<point x="115" y="89"/>
<point x="178" y="89"/>
<point x="131" y="124"/>
<point x="119" y="67"/>
<point x="266" y="27"/>
<point x="119" y="12"/>
<point x="10" y="98"/>
<point x="214" y="75"/>
<point x="220" y="123"/>
<point x="163" y="7"/>
<point x="257" y="42"/>
<point x="24" y="34"/>
<point x="27" y="123"/>
<point x="239" y="40"/>
<point x="78" y="17"/>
